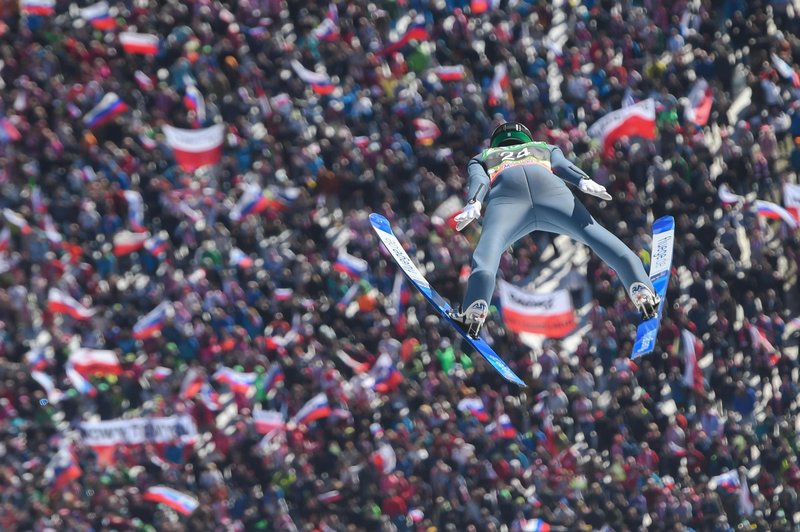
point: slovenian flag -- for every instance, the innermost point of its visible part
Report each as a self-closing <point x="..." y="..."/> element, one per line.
<point x="135" y="210"/>
<point x="105" y="111"/>
<point x="38" y="7"/>
<point x="252" y="201"/>
<point x="8" y="131"/>
<point x="701" y="98"/>
<point x="61" y="470"/>
<point x="320" y="83"/>
<point x="354" y="267"/>
<point x="272" y="377"/>
<point x="180" y="502"/>
<point x="157" y="244"/>
<point x="5" y="239"/>
<point x="17" y="220"/>
<point x="59" y="302"/>
<point x="126" y="242"/>
<point x="192" y="383"/>
<point x="237" y="381"/>
<point x="415" y="32"/>
<point x="83" y="386"/>
<point x="316" y="408"/>
<point x="474" y="405"/>
<point x="499" y="86"/>
<point x="139" y="43"/>
<point x="98" y="16"/>
<point x="240" y="259"/>
<point x="195" y="148"/>
<point x="767" y="209"/>
<point x="152" y="322"/>
<point x="193" y="100"/>
<point x="54" y="395"/>
<point x="328" y="29"/>
<point x="786" y="71"/>
<point x="265" y="421"/>
<point x="95" y="362"/>
<point x="387" y="377"/>
<point x="637" y="120"/>
<point x="450" y="73"/>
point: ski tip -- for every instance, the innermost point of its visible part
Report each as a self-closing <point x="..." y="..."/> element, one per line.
<point x="379" y="221"/>
<point x="664" y="223"/>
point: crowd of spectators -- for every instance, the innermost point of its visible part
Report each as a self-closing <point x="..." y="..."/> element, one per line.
<point x="596" y="442"/>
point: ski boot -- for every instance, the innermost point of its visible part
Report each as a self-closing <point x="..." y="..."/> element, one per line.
<point x="645" y="300"/>
<point x="471" y="320"/>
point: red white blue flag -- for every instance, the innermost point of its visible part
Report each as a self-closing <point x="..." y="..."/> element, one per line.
<point x="415" y="32"/>
<point x="99" y="16"/>
<point x="135" y="210"/>
<point x="139" y="43"/>
<point x="237" y="381"/>
<point x="265" y="421"/>
<point x="320" y="83"/>
<point x="178" y="501"/>
<point x="38" y="7"/>
<point x="316" y="408"/>
<point x="59" y="302"/>
<point x="126" y="242"/>
<point x="353" y="267"/>
<point x="474" y="405"/>
<point x="109" y="107"/>
<point x="61" y="470"/>
<point x="152" y="322"/>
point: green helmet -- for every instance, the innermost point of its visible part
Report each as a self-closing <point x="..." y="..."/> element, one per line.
<point x="509" y="134"/>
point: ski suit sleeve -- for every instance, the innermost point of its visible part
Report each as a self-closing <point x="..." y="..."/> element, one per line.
<point x="477" y="176"/>
<point x="564" y="168"/>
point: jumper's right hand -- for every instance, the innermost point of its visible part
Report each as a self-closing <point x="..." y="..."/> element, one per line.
<point x="470" y="212"/>
<point x="588" y="186"/>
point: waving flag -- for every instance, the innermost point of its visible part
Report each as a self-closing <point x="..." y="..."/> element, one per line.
<point x="692" y="347"/>
<point x="195" y="148"/>
<point x="83" y="386"/>
<point x="8" y="131"/>
<point x="17" y="220"/>
<point x="126" y="242"/>
<point x="330" y="497"/>
<point x="37" y="358"/>
<point x="160" y="373"/>
<point x="498" y="89"/>
<point x="474" y="405"/>
<point x="426" y="131"/>
<point x="727" y="196"/>
<point x="98" y="16"/>
<point x="209" y="397"/>
<point x="316" y="408"/>
<point x="95" y="362"/>
<point x="701" y="97"/>
<point x="502" y="428"/>
<point x="192" y="383"/>
<point x="180" y="502"/>
<point x="109" y="107"/>
<point x="536" y="525"/>
<point x="272" y="377"/>
<point x="328" y="29"/>
<point x="61" y="470"/>
<point x="352" y="363"/>
<point x="152" y="322"/>
<point x="786" y="71"/>
<point x="791" y="199"/>
<point x="384" y="458"/>
<point x="157" y="244"/>
<point x="59" y="302"/>
<point x="320" y="83"/>
<point x="450" y="73"/>
<point x="135" y="210"/>
<point x="254" y="200"/>
<point x="193" y="100"/>
<point x="50" y="230"/>
<point x="773" y="211"/>
<point x="637" y="120"/>
<point x="266" y="421"/>
<point x="354" y="267"/>
<point x="144" y="81"/>
<point x="41" y="8"/>
<point x="139" y="43"/>
<point x="237" y="381"/>
<point x="387" y="377"/>
<point x="415" y="32"/>
<point x="5" y="239"/>
<point x="240" y="259"/>
<point x="54" y="395"/>
<point x="728" y="481"/>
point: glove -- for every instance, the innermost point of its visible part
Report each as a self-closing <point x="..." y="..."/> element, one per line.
<point x="471" y="211"/>
<point x="588" y="186"/>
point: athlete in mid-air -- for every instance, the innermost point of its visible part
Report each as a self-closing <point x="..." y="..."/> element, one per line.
<point x="516" y="177"/>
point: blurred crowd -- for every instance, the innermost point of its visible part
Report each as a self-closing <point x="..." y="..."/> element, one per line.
<point x="595" y="442"/>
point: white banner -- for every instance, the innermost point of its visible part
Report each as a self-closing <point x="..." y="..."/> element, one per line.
<point x="137" y="431"/>
<point x="550" y="314"/>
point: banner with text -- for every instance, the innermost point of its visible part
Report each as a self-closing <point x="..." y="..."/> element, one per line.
<point x="550" y="314"/>
<point x="106" y="436"/>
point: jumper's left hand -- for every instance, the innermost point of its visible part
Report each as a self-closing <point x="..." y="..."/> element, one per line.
<point x="470" y="212"/>
<point x="588" y="186"/>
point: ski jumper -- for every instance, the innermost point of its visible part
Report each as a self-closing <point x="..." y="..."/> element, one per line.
<point x="524" y="195"/>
